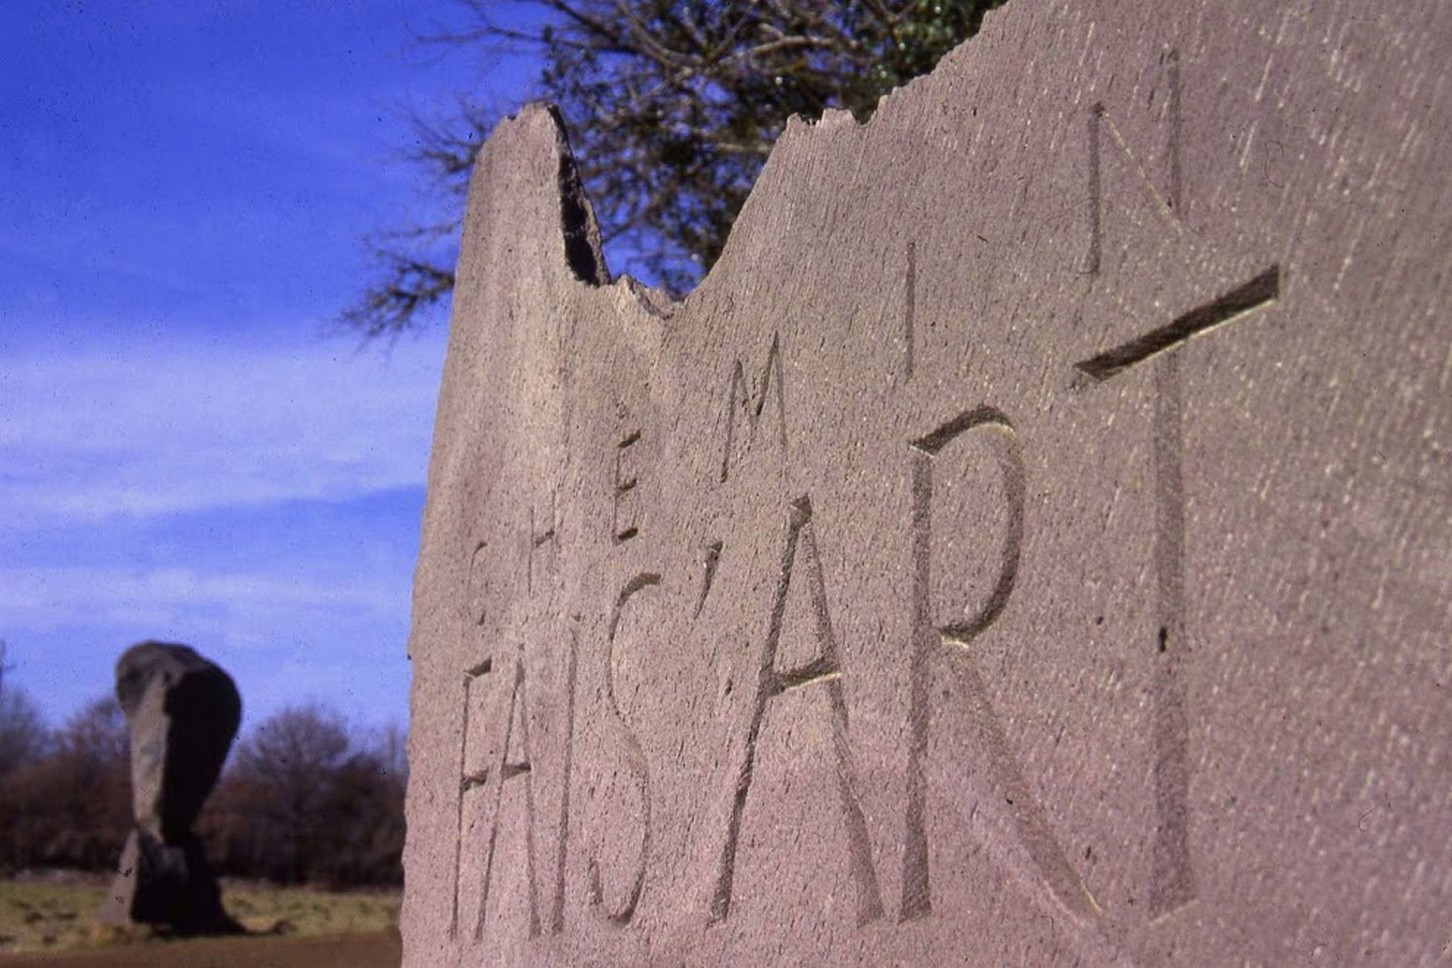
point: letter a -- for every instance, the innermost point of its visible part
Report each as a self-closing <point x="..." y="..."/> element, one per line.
<point x="823" y="670"/>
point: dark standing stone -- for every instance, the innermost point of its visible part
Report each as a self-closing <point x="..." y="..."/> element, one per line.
<point x="182" y="713"/>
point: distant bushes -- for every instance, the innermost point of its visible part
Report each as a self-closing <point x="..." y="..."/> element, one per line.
<point x="67" y="799"/>
<point x="303" y="799"/>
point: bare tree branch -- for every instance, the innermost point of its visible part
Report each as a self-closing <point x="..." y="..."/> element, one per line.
<point x="673" y="106"/>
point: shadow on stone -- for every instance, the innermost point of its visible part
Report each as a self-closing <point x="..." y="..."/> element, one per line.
<point x="182" y="713"/>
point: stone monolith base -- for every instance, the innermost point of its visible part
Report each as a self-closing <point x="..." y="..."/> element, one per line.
<point x="166" y="885"/>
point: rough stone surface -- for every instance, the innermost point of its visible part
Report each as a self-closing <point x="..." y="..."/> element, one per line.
<point x="1030" y="544"/>
<point x="182" y="713"/>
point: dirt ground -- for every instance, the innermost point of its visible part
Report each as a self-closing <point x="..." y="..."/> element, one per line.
<point x="352" y="951"/>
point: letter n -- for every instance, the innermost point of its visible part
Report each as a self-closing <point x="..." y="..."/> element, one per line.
<point x="1168" y="205"/>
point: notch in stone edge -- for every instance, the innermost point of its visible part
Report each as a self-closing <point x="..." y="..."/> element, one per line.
<point x="583" y="251"/>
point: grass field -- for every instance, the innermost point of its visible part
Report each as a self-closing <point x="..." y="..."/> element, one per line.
<point x="52" y="916"/>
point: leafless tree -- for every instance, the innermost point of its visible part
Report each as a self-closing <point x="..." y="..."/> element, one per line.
<point x="672" y="107"/>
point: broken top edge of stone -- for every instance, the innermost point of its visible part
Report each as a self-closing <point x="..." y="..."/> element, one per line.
<point x="580" y="232"/>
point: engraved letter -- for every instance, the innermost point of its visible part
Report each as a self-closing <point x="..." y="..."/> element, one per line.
<point x="635" y="765"/>
<point x="626" y="505"/>
<point x="484" y="775"/>
<point x="952" y="643"/>
<point x="1172" y="878"/>
<point x="739" y="400"/>
<point x="1167" y="208"/>
<point x="562" y="844"/>
<point x="824" y="670"/>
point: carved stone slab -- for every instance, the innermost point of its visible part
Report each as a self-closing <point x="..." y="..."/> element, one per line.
<point x="1032" y="543"/>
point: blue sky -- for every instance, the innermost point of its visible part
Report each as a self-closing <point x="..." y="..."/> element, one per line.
<point x="185" y="454"/>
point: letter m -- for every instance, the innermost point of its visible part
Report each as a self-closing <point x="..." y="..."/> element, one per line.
<point x="744" y="409"/>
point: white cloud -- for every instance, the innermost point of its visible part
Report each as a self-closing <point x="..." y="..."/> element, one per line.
<point x="103" y="444"/>
<point x="50" y="599"/>
<point x="167" y="427"/>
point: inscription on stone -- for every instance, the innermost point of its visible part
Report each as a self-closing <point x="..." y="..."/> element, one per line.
<point x="1173" y="882"/>
<point x="746" y="411"/>
<point x="631" y="777"/>
<point x="825" y="670"/>
<point x="627" y="496"/>
<point x="490" y="759"/>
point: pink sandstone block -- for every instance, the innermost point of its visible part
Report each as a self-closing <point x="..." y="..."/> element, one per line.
<point x="1031" y="544"/>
